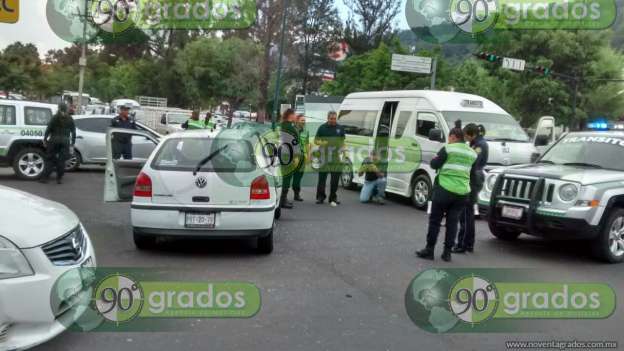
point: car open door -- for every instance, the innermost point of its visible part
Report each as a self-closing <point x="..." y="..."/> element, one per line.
<point x="120" y="174"/>
<point x="545" y="134"/>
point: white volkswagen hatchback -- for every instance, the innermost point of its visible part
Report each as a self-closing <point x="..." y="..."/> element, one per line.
<point x="40" y="242"/>
<point x="197" y="184"/>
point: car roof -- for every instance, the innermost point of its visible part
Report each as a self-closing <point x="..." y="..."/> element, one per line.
<point x="439" y="100"/>
<point x="596" y="133"/>
<point x="29" y="103"/>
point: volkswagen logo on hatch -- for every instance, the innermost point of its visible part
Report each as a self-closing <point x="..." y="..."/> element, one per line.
<point x="201" y="182"/>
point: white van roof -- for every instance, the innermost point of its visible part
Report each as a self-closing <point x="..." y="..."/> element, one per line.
<point x="437" y="100"/>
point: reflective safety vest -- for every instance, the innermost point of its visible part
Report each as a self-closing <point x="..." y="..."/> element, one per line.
<point x="209" y="125"/>
<point x="454" y="175"/>
<point x="193" y="124"/>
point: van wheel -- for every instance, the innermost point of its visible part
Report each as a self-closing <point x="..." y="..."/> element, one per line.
<point x="421" y="191"/>
<point x="143" y="242"/>
<point x="73" y="163"/>
<point x="346" y="178"/>
<point x="29" y="163"/>
<point x="503" y="233"/>
<point x="609" y="246"/>
<point x="265" y="244"/>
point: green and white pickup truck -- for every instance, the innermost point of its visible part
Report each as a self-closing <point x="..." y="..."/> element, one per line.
<point x="574" y="191"/>
<point x="22" y="126"/>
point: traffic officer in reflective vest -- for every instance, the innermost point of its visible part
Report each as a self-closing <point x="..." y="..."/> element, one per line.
<point x="194" y="122"/>
<point x="450" y="192"/>
<point x="466" y="238"/>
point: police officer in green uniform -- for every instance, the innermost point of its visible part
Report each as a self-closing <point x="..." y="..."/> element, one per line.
<point x="450" y="192"/>
<point x="330" y="138"/>
<point x="194" y="123"/>
<point x="287" y="125"/>
<point x="59" y="136"/>
<point x="304" y="141"/>
<point x="208" y="123"/>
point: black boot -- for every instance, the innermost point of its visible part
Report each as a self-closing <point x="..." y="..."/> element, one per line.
<point x="298" y="196"/>
<point x="426" y="253"/>
<point x="446" y="255"/>
<point x="459" y="249"/>
<point x="284" y="203"/>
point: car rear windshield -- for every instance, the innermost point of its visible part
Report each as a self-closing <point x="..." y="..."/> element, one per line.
<point x="186" y="154"/>
<point x="497" y="126"/>
<point x="598" y="151"/>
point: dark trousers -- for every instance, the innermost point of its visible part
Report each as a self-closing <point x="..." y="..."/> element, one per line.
<point x="297" y="177"/>
<point x="286" y="182"/>
<point x="444" y="203"/>
<point x="56" y="155"/>
<point x="466" y="236"/>
<point x="333" y="186"/>
<point x="122" y="149"/>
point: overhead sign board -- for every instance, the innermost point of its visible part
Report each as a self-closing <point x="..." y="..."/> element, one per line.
<point x="513" y="64"/>
<point x="9" y="11"/>
<point x="413" y="64"/>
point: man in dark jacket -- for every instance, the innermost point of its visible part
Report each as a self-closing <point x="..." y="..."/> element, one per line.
<point x="330" y="138"/>
<point x="122" y="143"/>
<point x="59" y="136"/>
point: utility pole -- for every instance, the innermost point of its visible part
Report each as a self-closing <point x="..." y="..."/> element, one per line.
<point x="82" y="62"/>
<point x="276" y="98"/>
<point x="434" y="68"/>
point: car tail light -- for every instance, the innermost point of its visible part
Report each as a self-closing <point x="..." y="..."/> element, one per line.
<point x="143" y="186"/>
<point x="260" y="189"/>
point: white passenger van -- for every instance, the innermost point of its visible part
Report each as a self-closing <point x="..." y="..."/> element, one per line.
<point x="418" y="122"/>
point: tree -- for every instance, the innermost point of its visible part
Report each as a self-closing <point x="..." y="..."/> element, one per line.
<point x="20" y="67"/>
<point x="372" y="22"/>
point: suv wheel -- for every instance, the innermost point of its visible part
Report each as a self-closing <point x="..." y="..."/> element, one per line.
<point x="609" y="246"/>
<point x="73" y="163"/>
<point x="504" y="233"/>
<point x="421" y="191"/>
<point x="29" y="163"/>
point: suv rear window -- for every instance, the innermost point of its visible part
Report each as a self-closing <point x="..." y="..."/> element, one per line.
<point x="37" y="116"/>
<point x="7" y="115"/>
<point x="184" y="154"/>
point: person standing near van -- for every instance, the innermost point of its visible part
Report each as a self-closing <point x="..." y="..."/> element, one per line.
<point x="288" y="126"/>
<point x="208" y="121"/>
<point x="122" y="143"/>
<point x="304" y="144"/>
<point x="330" y="138"/>
<point x="466" y="238"/>
<point x="193" y="123"/>
<point x="59" y="137"/>
<point x="450" y="192"/>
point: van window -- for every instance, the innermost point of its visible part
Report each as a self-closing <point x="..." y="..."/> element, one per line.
<point x="358" y="122"/>
<point x="37" y="116"/>
<point x="387" y="116"/>
<point x="498" y="127"/>
<point x="401" y="123"/>
<point x="426" y="122"/>
<point x="95" y="125"/>
<point x="7" y="115"/>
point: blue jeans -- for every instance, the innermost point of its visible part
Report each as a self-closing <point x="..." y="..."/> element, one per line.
<point x="375" y="187"/>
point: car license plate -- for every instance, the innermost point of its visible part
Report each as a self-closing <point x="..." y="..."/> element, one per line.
<point x="200" y="220"/>
<point x="512" y="212"/>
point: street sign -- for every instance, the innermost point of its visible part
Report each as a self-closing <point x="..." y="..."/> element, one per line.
<point x="413" y="64"/>
<point x="9" y="11"/>
<point x="513" y="64"/>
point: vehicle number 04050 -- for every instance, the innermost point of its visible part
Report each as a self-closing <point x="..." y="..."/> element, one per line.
<point x="32" y="132"/>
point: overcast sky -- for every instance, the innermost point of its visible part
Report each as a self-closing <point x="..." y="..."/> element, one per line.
<point x="33" y="27"/>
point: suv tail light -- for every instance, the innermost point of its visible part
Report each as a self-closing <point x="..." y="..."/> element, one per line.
<point x="143" y="186"/>
<point x="260" y="189"/>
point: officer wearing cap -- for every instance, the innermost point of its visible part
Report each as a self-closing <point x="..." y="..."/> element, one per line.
<point x="59" y="136"/>
<point x="122" y="143"/>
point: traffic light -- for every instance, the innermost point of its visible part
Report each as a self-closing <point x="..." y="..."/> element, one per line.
<point x="541" y="70"/>
<point x="489" y="57"/>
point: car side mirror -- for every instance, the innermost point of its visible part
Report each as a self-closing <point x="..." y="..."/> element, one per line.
<point x="436" y="135"/>
<point x="542" y="140"/>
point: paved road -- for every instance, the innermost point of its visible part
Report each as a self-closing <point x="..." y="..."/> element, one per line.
<point x="336" y="280"/>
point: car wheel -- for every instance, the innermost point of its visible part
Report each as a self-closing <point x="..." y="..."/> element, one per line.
<point x="421" y="191"/>
<point x="609" y="246"/>
<point x="346" y="177"/>
<point x="504" y="233"/>
<point x="265" y="244"/>
<point x="278" y="213"/>
<point x="144" y="242"/>
<point x="73" y="163"/>
<point x="29" y="163"/>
